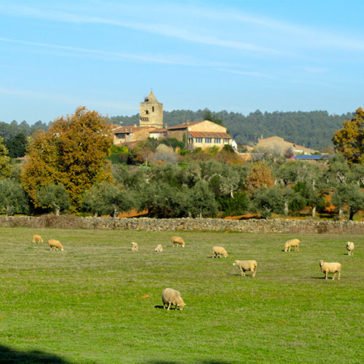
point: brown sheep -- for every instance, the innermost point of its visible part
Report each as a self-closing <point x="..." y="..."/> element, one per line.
<point x="171" y="297"/>
<point x="247" y="266"/>
<point x="327" y="268"/>
<point x="177" y="241"/>
<point x="293" y="243"/>
<point x="134" y="246"/>
<point x="55" y="245"/>
<point x="218" y="252"/>
<point x="350" y="246"/>
<point x="37" y="239"/>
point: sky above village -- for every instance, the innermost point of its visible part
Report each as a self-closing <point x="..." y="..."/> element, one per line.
<point x="241" y="56"/>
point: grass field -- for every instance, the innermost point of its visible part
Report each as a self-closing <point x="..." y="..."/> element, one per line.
<point x="97" y="302"/>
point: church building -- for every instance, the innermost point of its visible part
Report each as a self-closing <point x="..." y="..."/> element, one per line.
<point x="196" y="134"/>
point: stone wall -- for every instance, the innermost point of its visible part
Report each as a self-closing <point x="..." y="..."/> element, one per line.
<point x="148" y="224"/>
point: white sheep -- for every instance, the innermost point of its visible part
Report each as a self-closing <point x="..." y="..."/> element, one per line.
<point x="171" y="297"/>
<point x="37" y="239"/>
<point x="55" y="244"/>
<point x="177" y="241"/>
<point x="293" y="243"/>
<point x="134" y="246"/>
<point x="247" y="266"/>
<point x="350" y="246"/>
<point x="218" y="252"/>
<point x="327" y="268"/>
<point x="159" y="248"/>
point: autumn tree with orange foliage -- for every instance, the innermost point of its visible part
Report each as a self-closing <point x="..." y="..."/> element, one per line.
<point x="350" y="139"/>
<point x="260" y="175"/>
<point x="71" y="153"/>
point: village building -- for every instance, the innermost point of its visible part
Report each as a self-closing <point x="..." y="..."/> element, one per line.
<point x="278" y="145"/>
<point x="201" y="134"/>
<point x="197" y="134"/>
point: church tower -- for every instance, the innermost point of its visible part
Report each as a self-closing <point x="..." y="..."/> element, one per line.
<point x="151" y="112"/>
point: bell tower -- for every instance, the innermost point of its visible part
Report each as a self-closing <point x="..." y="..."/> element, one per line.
<point x="151" y="112"/>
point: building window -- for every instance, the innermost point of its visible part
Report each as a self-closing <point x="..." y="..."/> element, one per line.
<point x="190" y="140"/>
<point x="147" y="112"/>
<point x="152" y="108"/>
<point x="217" y="140"/>
<point x="198" y="140"/>
<point x="208" y="140"/>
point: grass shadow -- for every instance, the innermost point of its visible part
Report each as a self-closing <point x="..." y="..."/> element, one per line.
<point x="10" y="355"/>
<point x="161" y="307"/>
<point x="197" y="362"/>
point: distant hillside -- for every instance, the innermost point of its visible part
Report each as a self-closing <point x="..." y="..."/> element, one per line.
<point x="312" y="129"/>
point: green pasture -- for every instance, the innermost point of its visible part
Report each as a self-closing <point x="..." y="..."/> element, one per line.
<point x="98" y="302"/>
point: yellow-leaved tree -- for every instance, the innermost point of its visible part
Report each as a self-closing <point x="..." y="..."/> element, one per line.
<point x="350" y="139"/>
<point x="73" y="153"/>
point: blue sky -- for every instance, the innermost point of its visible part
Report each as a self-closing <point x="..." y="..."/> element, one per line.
<point x="271" y="55"/>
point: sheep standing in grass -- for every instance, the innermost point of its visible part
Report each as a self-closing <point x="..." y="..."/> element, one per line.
<point x="55" y="244"/>
<point x="159" y="248"/>
<point x="246" y="266"/>
<point x="350" y="247"/>
<point x="134" y="246"/>
<point x="218" y="252"/>
<point x="293" y="243"/>
<point x="177" y="241"/>
<point x="37" y="239"/>
<point x="171" y="297"/>
<point x="327" y="268"/>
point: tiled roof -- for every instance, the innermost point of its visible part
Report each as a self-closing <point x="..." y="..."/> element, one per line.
<point x="128" y="129"/>
<point x="184" y="125"/>
<point x="208" y="134"/>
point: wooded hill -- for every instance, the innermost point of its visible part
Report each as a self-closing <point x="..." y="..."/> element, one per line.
<point x="312" y="129"/>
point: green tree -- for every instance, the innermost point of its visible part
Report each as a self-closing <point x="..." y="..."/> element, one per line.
<point x="17" y="145"/>
<point x="106" y="198"/>
<point x="350" y="196"/>
<point x="53" y="197"/>
<point x="201" y="202"/>
<point x="4" y="160"/>
<point x="73" y="152"/>
<point x="269" y="200"/>
<point x="350" y="139"/>
<point x="165" y="201"/>
<point x="12" y="198"/>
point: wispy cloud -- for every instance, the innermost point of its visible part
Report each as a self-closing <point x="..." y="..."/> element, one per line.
<point x="214" y="28"/>
<point x="163" y="29"/>
<point x="72" y="100"/>
<point x="108" y="55"/>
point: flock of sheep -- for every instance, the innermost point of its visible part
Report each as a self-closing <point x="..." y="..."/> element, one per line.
<point x="52" y="243"/>
<point x="172" y="298"/>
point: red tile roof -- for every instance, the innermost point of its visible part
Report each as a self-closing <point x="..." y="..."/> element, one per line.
<point x="208" y="134"/>
<point x="184" y="125"/>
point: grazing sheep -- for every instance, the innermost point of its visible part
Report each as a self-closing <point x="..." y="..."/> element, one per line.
<point x="247" y="266"/>
<point x="55" y="244"/>
<point x="177" y="241"/>
<point x="350" y="247"/>
<point x="327" y="268"/>
<point x="134" y="246"/>
<point x="218" y="252"/>
<point x="37" y="239"/>
<point x="171" y="297"/>
<point x="159" y="248"/>
<point x="293" y="243"/>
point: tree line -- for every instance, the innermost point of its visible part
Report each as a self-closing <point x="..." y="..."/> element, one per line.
<point x="312" y="129"/>
<point x="73" y="167"/>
